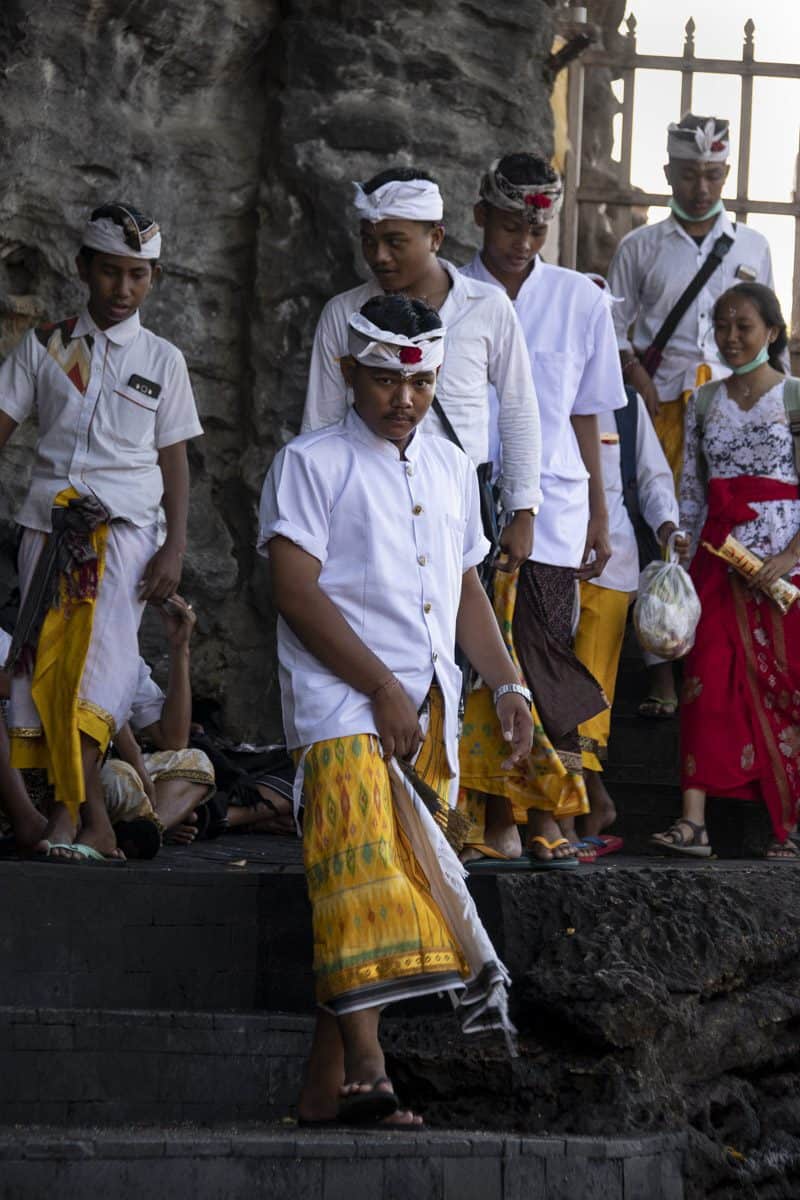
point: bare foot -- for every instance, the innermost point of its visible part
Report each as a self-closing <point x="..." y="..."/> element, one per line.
<point x="185" y="833"/>
<point x="603" y="812"/>
<point x="542" y="826"/>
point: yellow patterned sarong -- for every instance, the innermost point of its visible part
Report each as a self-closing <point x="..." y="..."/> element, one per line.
<point x="598" y="644"/>
<point x="60" y="659"/>
<point x="669" y="424"/>
<point x="378" y="935"/>
<point x="542" y="781"/>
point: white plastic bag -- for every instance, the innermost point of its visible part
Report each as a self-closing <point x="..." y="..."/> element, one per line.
<point x="667" y="608"/>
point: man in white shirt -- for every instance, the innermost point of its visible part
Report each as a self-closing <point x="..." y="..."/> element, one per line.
<point x="115" y="408"/>
<point x="652" y="267"/>
<point x="574" y="362"/>
<point x="400" y="216"/>
<point x="373" y="533"/>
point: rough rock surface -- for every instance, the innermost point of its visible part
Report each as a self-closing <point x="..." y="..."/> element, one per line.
<point x="645" y="999"/>
<point x="240" y="125"/>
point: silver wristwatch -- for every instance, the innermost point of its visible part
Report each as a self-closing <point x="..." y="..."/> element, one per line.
<point x="516" y="688"/>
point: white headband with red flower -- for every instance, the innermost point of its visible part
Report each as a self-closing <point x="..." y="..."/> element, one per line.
<point x="375" y="347"/>
<point x="709" y="142"/>
<point x="540" y="201"/>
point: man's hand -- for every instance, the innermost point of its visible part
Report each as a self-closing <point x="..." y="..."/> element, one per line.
<point x="597" y="540"/>
<point x="517" y="541"/>
<point x="397" y="721"/>
<point x="179" y="620"/>
<point x="649" y="393"/>
<point x="515" y="719"/>
<point x="162" y="574"/>
<point x="776" y="566"/>
<point x="682" y="544"/>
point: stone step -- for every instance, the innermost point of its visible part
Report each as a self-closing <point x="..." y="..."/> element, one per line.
<point x="78" y="1066"/>
<point x="282" y="1163"/>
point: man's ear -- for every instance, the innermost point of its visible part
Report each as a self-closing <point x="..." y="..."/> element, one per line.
<point x="437" y="237"/>
<point x="479" y="213"/>
<point x="347" y="365"/>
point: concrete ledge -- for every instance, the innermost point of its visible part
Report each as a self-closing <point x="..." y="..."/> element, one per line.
<point x="285" y="1162"/>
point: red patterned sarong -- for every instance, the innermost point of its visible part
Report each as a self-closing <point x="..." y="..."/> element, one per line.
<point x="740" y="708"/>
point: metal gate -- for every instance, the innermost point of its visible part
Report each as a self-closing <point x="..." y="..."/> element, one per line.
<point x="624" y="66"/>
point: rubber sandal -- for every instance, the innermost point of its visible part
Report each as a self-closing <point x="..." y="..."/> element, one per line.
<point x="664" y="710"/>
<point x="605" y="843"/>
<point x="790" y="845"/>
<point x="678" y="845"/>
<point x="367" y="1107"/>
<point x="551" y="864"/>
<point x="492" y="861"/>
<point x="94" y="857"/>
<point x="585" y="851"/>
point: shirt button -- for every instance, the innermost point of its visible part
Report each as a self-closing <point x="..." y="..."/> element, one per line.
<point x="434" y="657"/>
<point x="427" y="607"/>
<point x="417" y="509"/>
<point x="422" y="560"/>
<point x="409" y="470"/>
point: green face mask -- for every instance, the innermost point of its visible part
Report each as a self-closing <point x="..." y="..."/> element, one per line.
<point x="746" y="368"/>
<point x="714" y="211"/>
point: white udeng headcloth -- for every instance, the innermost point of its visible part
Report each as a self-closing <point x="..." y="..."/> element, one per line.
<point x="124" y="237"/>
<point x="540" y="202"/>
<point x="375" y="347"/>
<point x="710" y="142"/>
<point x="404" y="199"/>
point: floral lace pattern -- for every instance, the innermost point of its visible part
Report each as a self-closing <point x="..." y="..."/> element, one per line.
<point x="735" y="442"/>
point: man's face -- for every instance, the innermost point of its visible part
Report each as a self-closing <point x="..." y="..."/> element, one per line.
<point x="390" y="404"/>
<point x="511" y="240"/>
<point x="117" y="285"/>
<point x="696" y="186"/>
<point x="399" y="252"/>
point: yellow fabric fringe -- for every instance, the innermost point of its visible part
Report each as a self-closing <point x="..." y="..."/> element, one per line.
<point x="598" y="643"/>
<point x="374" y="918"/>
<point x="542" y="781"/>
<point x="60" y="659"/>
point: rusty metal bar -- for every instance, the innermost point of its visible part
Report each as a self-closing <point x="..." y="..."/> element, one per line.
<point x="687" y="77"/>
<point x="700" y="66"/>
<point x="644" y="199"/>
<point x="794" y="341"/>
<point x="745" y="120"/>
<point x="572" y="169"/>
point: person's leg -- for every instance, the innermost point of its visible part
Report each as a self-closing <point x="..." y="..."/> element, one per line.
<point x="687" y="835"/>
<point x="27" y="823"/>
<point x="603" y="812"/>
<point x="543" y="828"/>
<point x="96" y="830"/>
<point x="274" y="814"/>
<point x="662" y="698"/>
<point x="176" y="799"/>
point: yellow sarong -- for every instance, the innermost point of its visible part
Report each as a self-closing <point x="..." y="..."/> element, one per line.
<point x="542" y="781"/>
<point x="598" y="644"/>
<point x="60" y="659"/>
<point x="378" y="935"/>
<point x="669" y="424"/>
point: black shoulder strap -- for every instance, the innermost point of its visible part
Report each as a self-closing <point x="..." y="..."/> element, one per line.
<point x="627" y="420"/>
<point x="718" y="251"/>
<point x="448" y="428"/>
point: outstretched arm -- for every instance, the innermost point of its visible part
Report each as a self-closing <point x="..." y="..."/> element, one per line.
<point x="322" y="629"/>
<point x="171" y="731"/>
<point x="478" y="635"/>
<point x="163" y="573"/>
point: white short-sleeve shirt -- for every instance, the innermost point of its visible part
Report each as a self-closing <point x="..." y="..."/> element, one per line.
<point x="148" y="702"/>
<point x="483" y="346"/>
<point x="107" y="401"/>
<point x="650" y="270"/>
<point x="575" y="363"/>
<point x="394" y="537"/>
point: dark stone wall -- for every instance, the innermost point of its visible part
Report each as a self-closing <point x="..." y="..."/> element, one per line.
<point x="240" y="125"/>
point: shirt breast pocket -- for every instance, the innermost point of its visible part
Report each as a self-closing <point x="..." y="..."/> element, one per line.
<point x="133" y="417"/>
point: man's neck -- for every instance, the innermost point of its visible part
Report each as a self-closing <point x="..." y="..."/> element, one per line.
<point x="432" y="287"/>
<point x="511" y="281"/>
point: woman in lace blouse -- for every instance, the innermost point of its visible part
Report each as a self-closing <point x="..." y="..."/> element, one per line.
<point x="740" y="711"/>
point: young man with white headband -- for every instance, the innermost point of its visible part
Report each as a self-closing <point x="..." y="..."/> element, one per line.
<point x="573" y="359"/>
<point x="373" y="533"/>
<point x="650" y="272"/>
<point x="115" y="408"/>
<point x="400" y="214"/>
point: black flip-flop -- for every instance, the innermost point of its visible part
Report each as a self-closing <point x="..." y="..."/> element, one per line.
<point x="366" y="1107"/>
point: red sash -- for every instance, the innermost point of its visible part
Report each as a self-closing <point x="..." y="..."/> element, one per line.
<point x="729" y="502"/>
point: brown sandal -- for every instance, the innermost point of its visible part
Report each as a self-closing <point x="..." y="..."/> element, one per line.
<point x="675" y="840"/>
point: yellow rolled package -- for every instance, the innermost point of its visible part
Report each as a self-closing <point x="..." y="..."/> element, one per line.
<point x="748" y="565"/>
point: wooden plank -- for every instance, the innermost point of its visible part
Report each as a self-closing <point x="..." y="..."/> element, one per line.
<point x="701" y="66"/>
<point x="643" y="199"/>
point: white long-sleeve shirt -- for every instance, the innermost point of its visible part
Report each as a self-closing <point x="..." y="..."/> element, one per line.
<point x="394" y="537"/>
<point x="657" y="500"/>
<point x="483" y="345"/>
<point x="652" y="267"/>
<point x="572" y="355"/>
